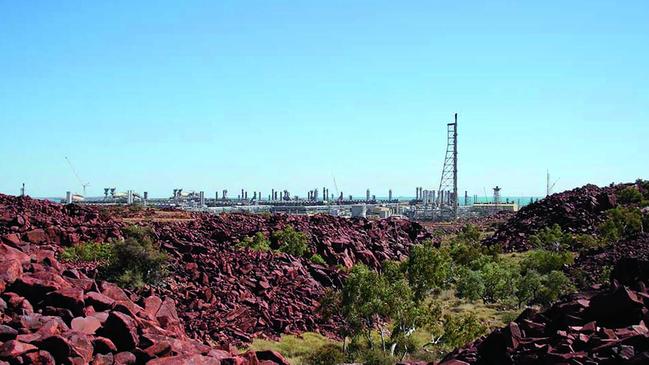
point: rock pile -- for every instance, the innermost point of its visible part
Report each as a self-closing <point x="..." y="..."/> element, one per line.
<point x="600" y="326"/>
<point x="580" y="210"/>
<point x="32" y="221"/>
<point x="338" y="240"/>
<point x="53" y="315"/>
<point x="590" y="266"/>
<point x="225" y="295"/>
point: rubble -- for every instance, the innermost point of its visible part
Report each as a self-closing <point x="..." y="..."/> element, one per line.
<point x="50" y="315"/>
<point x="598" y="326"/>
<point x="224" y="295"/>
<point x="580" y="210"/>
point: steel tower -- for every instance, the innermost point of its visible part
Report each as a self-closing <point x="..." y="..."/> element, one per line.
<point x="448" y="182"/>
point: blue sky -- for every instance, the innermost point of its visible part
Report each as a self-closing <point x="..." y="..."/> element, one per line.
<point x="286" y="94"/>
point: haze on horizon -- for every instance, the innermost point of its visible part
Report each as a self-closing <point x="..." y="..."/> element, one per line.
<point x="287" y="94"/>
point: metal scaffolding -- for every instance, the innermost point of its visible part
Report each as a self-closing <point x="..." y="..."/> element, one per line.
<point x="448" y="182"/>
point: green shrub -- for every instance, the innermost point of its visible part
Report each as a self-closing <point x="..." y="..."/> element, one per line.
<point x="88" y="252"/>
<point x="554" y="285"/>
<point x="629" y="195"/>
<point x="291" y="241"/>
<point x="329" y="354"/>
<point x="499" y="281"/>
<point x="621" y="223"/>
<point x="461" y="329"/>
<point x="543" y="261"/>
<point x="258" y="242"/>
<point x="428" y="268"/>
<point x="470" y="285"/>
<point x="528" y="287"/>
<point x="583" y="242"/>
<point x="377" y="357"/>
<point x="317" y="259"/>
<point x="551" y="238"/>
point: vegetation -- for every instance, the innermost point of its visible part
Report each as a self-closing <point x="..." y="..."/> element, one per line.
<point x="291" y="241"/>
<point x="317" y="259"/>
<point x="258" y="242"/>
<point x="132" y="262"/>
<point x="328" y="354"/>
<point x="622" y="222"/>
<point x="630" y="195"/>
<point x="88" y="252"/>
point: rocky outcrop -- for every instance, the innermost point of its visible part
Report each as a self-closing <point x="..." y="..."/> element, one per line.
<point x="580" y="210"/>
<point x="52" y="315"/>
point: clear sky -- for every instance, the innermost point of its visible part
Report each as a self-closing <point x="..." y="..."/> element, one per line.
<point x="287" y="94"/>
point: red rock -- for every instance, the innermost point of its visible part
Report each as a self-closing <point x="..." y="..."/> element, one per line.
<point x="12" y="349"/>
<point x="100" y="359"/>
<point x="12" y="239"/>
<point x="103" y="345"/>
<point x="185" y="360"/>
<point x="10" y="270"/>
<point x="121" y="329"/>
<point x="7" y="333"/>
<point x="124" y="358"/>
<point x="273" y="356"/>
<point x="87" y="325"/>
<point x="99" y="301"/>
<point x="40" y="358"/>
<point x="69" y="298"/>
<point x="36" y="236"/>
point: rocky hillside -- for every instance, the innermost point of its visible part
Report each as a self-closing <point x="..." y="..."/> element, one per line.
<point x="580" y="210"/>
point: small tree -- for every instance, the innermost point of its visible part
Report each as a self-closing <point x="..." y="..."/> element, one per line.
<point x="554" y="285"/>
<point x="528" y="287"/>
<point x="428" y="268"/>
<point x="543" y="261"/>
<point x="629" y="195"/>
<point x="469" y="284"/>
<point x="499" y="281"/>
<point x="461" y="329"/>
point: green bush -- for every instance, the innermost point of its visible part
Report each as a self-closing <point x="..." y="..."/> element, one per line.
<point x="629" y="195"/>
<point x="137" y="260"/>
<point x="543" y="261"/>
<point x="317" y="259"/>
<point x="554" y="285"/>
<point x="470" y="285"/>
<point x="329" y="354"/>
<point x="621" y="223"/>
<point x="258" y="242"/>
<point x="428" y="268"/>
<point x="551" y="238"/>
<point x="291" y="241"/>
<point x="377" y="357"/>
<point x="461" y="329"/>
<point x="499" y="281"/>
<point x="528" y="287"/>
<point x="88" y="252"/>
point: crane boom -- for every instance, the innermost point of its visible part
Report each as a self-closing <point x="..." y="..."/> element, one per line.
<point x="74" y="171"/>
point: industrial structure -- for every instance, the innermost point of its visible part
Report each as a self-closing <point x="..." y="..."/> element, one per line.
<point x="438" y="203"/>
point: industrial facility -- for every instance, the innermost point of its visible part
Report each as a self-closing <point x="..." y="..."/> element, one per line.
<point x="440" y="203"/>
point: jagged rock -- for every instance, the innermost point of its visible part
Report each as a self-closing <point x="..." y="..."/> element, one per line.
<point x="87" y="325"/>
<point x="121" y="329"/>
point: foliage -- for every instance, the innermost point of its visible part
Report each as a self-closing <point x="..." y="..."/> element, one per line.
<point x="469" y="284"/>
<point x="377" y="357"/>
<point x="543" y="261"/>
<point x="296" y="349"/>
<point x="461" y="329"/>
<point x="528" y="287"/>
<point x="88" y="252"/>
<point x="329" y="354"/>
<point x="258" y="242"/>
<point x="622" y="222"/>
<point x="428" y="268"/>
<point x="317" y="259"/>
<point x="629" y="195"/>
<point x="469" y="234"/>
<point x="499" y="281"/>
<point x="583" y="242"/>
<point x="551" y="238"/>
<point x="291" y="241"/>
<point x="137" y="260"/>
<point x="554" y="285"/>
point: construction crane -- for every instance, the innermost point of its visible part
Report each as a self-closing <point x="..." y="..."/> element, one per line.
<point x="548" y="186"/>
<point x="83" y="185"/>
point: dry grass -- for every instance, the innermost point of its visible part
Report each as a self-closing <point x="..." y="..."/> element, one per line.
<point x="294" y="348"/>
